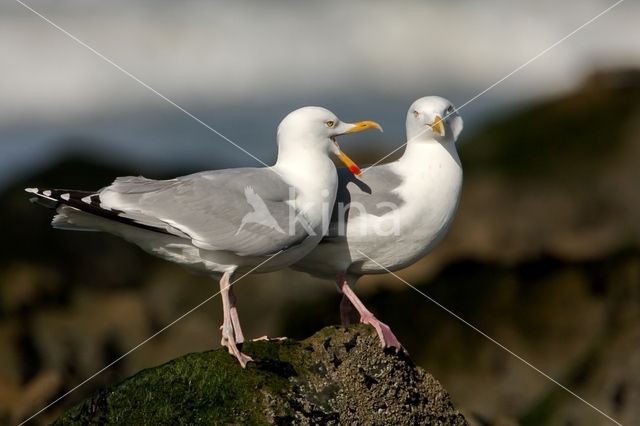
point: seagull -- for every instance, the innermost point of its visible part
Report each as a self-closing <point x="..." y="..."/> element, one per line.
<point x="196" y="220"/>
<point x="395" y="213"/>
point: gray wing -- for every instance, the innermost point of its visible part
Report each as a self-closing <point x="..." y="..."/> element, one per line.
<point x="213" y="209"/>
<point x="372" y="193"/>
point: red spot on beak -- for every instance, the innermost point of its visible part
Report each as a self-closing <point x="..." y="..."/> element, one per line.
<point x="355" y="170"/>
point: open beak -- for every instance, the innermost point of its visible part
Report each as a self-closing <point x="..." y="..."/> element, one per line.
<point x="438" y="126"/>
<point x="351" y="165"/>
<point x="355" y="128"/>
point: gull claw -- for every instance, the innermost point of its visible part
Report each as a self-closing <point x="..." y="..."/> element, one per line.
<point x="267" y="338"/>
<point x="386" y="336"/>
<point x="242" y="358"/>
<point x="349" y="299"/>
<point x="229" y="341"/>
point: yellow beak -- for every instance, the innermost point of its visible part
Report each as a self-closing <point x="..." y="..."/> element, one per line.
<point x="364" y="125"/>
<point x="357" y="127"/>
<point x="438" y="126"/>
<point x="351" y="165"/>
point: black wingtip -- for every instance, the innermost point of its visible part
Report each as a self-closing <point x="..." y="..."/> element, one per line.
<point x="88" y="202"/>
<point x="44" y="197"/>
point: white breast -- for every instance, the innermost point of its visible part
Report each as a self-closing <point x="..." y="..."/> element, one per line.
<point x="432" y="181"/>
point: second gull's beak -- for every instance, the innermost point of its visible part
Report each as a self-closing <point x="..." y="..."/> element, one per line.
<point x="438" y="126"/>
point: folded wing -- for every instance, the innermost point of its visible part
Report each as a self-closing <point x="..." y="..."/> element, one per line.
<point x="210" y="208"/>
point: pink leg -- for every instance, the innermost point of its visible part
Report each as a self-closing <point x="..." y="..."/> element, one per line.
<point x="345" y="310"/>
<point x="228" y="337"/>
<point x="235" y="321"/>
<point x="387" y="338"/>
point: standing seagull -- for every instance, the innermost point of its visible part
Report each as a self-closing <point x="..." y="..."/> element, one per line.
<point x="196" y="220"/>
<point x="394" y="214"/>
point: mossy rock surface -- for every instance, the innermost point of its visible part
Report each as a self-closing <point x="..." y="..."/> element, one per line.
<point x="337" y="376"/>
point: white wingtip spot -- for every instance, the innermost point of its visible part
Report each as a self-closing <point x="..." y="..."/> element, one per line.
<point x="47" y="193"/>
<point x="87" y="199"/>
<point x="65" y="196"/>
<point x="32" y="190"/>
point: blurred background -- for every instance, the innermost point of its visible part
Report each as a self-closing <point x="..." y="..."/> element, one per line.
<point x="544" y="255"/>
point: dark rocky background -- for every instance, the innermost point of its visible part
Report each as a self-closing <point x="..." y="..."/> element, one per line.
<point x="544" y="256"/>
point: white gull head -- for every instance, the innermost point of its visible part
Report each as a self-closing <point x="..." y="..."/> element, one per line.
<point x="433" y="118"/>
<point x="314" y="129"/>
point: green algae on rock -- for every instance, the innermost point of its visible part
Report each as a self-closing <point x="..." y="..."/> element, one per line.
<point x="337" y="376"/>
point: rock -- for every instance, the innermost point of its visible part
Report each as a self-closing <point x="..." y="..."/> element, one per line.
<point x="337" y="376"/>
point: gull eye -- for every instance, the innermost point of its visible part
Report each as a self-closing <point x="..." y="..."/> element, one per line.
<point x="330" y="123"/>
<point x="449" y="109"/>
<point x="416" y="114"/>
